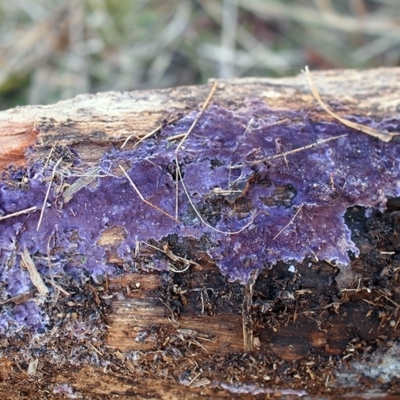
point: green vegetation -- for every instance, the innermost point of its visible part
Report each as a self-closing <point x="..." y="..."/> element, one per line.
<point x="55" y="49"/>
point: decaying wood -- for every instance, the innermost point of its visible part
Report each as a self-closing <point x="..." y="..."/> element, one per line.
<point x="194" y="334"/>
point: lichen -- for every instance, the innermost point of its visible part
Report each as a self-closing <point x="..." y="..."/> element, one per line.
<point x="238" y="175"/>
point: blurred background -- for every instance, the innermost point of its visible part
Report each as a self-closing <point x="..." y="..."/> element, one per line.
<point x="55" y="49"/>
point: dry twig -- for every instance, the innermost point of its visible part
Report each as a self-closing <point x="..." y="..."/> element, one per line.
<point x="174" y="257"/>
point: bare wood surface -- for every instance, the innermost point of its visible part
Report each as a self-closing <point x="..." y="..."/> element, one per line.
<point x="93" y="122"/>
<point x="170" y="335"/>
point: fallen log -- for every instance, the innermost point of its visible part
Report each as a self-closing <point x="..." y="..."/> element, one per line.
<point x="229" y="240"/>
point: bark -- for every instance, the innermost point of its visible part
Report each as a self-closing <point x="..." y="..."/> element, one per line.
<point x="195" y="334"/>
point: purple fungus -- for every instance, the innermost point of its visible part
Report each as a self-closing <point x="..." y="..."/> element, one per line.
<point x="260" y="188"/>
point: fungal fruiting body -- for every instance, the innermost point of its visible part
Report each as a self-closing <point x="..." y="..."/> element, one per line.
<point x="259" y="186"/>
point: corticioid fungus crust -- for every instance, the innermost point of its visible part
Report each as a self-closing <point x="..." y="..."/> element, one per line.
<point x="233" y="166"/>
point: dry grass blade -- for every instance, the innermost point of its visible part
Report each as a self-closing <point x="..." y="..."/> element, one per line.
<point x="384" y="136"/>
<point x="36" y="279"/>
<point x="180" y="177"/>
<point x="176" y="137"/>
<point x="79" y="184"/>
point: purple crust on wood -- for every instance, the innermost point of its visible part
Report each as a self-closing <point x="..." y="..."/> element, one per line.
<point x="232" y="182"/>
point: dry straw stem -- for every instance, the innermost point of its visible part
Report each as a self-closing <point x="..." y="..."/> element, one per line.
<point x="47" y="194"/>
<point x="297" y="150"/>
<point x="384" y="136"/>
<point x="143" y="199"/>
<point x="174" y="257"/>
<point x="26" y="211"/>
<point x="176" y="137"/>
<point x="385" y="295"/>
<point x="36" y="279"/>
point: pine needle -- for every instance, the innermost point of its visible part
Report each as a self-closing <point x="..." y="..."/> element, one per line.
<point x="384" y="136"/>
<point x="156" y="129"/>
<point x="289" y="223"/>
<point x="143" y="199"/>
<point x="205" y="105"/>
<point x="178" y="171"/>
<point x="180" y="177"/>
<point x="207" y="224"/>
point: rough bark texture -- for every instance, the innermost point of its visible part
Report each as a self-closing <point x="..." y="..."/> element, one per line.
<point x="194" y="334"/>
